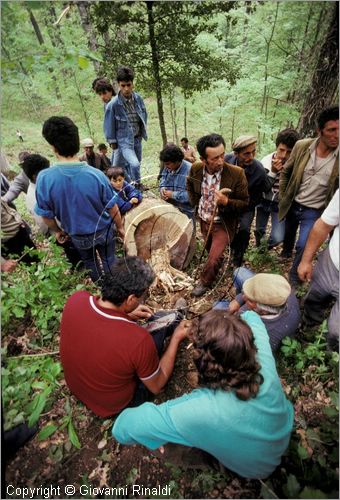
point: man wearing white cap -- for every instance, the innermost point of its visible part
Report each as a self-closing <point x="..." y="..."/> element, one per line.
<point x="269" y="295"/>
<point x="93" y="159"/>
<point x="244" y="151"/>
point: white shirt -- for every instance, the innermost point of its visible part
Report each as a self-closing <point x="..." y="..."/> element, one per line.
<point x="331" y="217"/>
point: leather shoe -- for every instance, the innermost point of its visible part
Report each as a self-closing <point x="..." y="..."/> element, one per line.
<point x="199" y="290"/>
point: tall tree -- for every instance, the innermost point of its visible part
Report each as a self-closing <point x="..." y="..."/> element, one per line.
<point x="325" y="83"/>
<point x="160" y="40"/>
<point x="83" y="8"/>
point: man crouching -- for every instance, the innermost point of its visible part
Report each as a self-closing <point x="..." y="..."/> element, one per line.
<point x="109" y="361"/>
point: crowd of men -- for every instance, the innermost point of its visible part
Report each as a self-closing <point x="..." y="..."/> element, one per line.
<point x="111" y="361"/>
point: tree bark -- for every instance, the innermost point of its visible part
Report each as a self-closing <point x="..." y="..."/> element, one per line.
<point x="87" y="27"/>
<point x="267" y="59"/>
<point x="185" y="117"/>
<point x="324" y="85"/>
<point x="156" y="73"/>
<point x="42" y="42"/>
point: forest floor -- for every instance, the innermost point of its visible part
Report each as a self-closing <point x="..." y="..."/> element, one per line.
<point x="99" y="462"/>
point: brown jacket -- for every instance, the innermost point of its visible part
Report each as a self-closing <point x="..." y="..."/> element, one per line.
<point x="95" y="161"/>
<point x="292" y="173"/>
<point x="233" y="178"/>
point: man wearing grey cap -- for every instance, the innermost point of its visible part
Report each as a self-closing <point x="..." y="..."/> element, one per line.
<point x="271" y="296"/>
<point x="93" y="159"/>
<point x="244" y="151"/>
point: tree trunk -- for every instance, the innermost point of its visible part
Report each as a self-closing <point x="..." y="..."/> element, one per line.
<point x="185" y="117"/>
<point x="42" y="42"/>
<point x="36" y="27"/>
<point x="267" y="59"/>
<point x="156" y="75"/>
<point x="172" y="115"/>
<point x="233" y="127"/>
<point x="87" y="27"/>
<point x="324" y="83"/>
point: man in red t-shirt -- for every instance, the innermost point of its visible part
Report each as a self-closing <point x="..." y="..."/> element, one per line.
<point x="104" y="352"/>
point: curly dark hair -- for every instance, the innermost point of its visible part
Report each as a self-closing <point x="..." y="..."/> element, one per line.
<point x="225" y="355"/>
<point x="171" y="153"/>
<point x="327" y="114"/>
<point x="208" y="141"/>
<point x="288" y="137"/>
<point x="33" y="164"/>
<point x="125" y="74"/>
<point x="62" y="133"/>
<point x="127" y="276"/>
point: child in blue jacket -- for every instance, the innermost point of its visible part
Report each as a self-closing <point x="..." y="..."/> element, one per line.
<point x="128" y="195"/>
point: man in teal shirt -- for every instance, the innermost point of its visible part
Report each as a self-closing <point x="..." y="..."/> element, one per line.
<point x="239" y="414"/>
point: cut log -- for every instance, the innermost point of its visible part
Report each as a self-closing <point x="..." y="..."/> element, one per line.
<point x="157" y="225"/>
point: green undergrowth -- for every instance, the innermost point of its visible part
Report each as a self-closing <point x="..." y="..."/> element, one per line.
<point x="35" y="295"/>
<point x="311" y="379"/>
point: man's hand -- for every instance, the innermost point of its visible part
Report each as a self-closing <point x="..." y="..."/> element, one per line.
<point x="222" y="196"/>
<point x="182" y="331"/>
<point x="166" y="194"/>
<point x="305" y="270"/>
<point x="134" y="200"/>
<point x="277" y="165"/>
<point x="61" y="237"/>
<point x="234" y="306"/>
<point x="8" y="266"/>
<point x="113" y="145"/>
<point x="121" y="232"/>
<point x="141" y="312"/>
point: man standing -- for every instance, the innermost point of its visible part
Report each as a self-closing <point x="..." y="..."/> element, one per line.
<point x="269" y="206"/>
<point x="110" y="362"/>
<point x="80" y="197"/>
<point x="189" y="151"/>
<point x="218" y="210"/>
<point x="308" y="181"/>
<point x="244" y="151"/>
<point x="325" y="277"/>
<point x="173" y="179"/>
<point x="93" y="159"/>
<point x="125" y="125"/>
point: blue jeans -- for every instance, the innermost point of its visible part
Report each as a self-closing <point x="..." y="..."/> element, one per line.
<point x="265" y="210"/>
<point x="129" y="159"/>
<point x="240" y="275"/>
<point x="97" y="250"/>
<point x="302" y="218"/>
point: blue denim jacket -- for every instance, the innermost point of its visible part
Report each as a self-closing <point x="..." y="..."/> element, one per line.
<point x="176" y="182"/>
<point x="117" y="128"/>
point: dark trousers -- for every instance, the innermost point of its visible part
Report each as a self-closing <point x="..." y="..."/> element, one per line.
<point x="217" y="241"/>
<point x="241" y="240"/>
<point x="302" y="218"/>
<point x="324" y="289"/>
<point x="16" y="245"/>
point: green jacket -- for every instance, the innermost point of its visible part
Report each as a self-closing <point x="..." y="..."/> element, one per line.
<point x="292" y="173"/>
<point x="233" y="178"/>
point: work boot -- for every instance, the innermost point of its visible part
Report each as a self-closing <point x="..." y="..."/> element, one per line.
<point x="199" y="290"/>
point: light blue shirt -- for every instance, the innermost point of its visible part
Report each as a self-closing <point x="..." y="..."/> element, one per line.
<point x="77" y="195"/>
<point x="248" y="437"/>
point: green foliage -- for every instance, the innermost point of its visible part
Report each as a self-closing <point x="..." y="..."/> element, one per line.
<point x="28" y="388"/>
<point x="313" y="356"/>
<point x="312" y="458"/>
<point x="40" y="291"/>
<point x="260" y="258"/>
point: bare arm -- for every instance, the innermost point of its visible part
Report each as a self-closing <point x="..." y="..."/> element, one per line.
<point x="316" y="237"/>
<point x="60" y="235"/>
<point x="115" y="214"/>
<point x="167" y="362"/>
